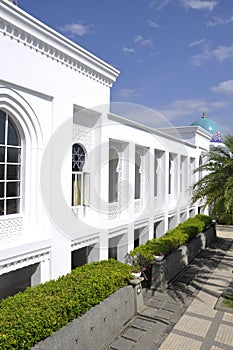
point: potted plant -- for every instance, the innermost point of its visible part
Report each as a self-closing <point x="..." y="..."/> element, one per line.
<point x="159" y="256"/>
<point x="136" y="271"/>
<point x="137" y="268"/>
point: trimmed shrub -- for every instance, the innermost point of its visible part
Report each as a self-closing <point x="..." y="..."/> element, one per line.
<point x="33" y="315"/>
<point x="190" y="229"/>
<point x="204" y="218"/>
<point x="172" y="240"/>
<point x="195" y="222"/>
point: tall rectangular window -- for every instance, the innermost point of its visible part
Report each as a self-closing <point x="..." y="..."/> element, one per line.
<point x="137" y="190"/>
<point x="183" y="174"/>
<point x="192" y="168"/>
<point x="170" y="173"/>
<point x="113" y="176"/>
<point x="156" y="173"/>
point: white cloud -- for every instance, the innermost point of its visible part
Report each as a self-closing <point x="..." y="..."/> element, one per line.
<point x="199" y="58"/>
<point x="200" y="4"/>
<point x="179" y="109"/>
<point x="128" y="93"/>
<point x="225" y="87"/>
<point x="76" y="29"/>
<point x="152" y="24"/>
<point x="197" y="42"/>
<point x="223" y="53"/>
<point x="139" y="39"/>
<point x="216" y="21"/>
<point x="155" y="53"/>
<point x="128" y="50"/>
<point x="220" y="53"/>
<point x="158" y="4"/>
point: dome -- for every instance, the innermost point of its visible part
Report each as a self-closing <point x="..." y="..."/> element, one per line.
<point x="211" y="126"/>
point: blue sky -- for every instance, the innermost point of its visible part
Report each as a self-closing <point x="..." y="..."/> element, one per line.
<point x="175" y="56"/>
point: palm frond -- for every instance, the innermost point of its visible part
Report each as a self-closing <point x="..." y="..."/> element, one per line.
<point x="216" y="180"/>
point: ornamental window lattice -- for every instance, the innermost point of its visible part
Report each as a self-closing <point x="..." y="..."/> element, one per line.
<point x="78" y="157"/>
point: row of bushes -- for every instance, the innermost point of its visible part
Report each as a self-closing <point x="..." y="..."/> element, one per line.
<point x="31" y="316"/>
<point x="172" y="240"/>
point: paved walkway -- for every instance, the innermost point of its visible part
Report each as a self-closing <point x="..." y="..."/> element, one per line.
<point x="185" y="318"/>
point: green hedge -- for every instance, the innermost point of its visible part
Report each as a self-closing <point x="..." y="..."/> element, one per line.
<point x="172" y="240"/>
<point x="31" y="316"/>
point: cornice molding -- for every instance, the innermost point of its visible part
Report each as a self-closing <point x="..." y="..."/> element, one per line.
<point x="22" y="37"/>
<point x="24" y="260"/>
<point x="114" y="232"/>
<point x="141" y="223"/>
<point x="86" y="241"/>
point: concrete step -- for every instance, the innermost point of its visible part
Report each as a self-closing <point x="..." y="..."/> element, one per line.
<point x="141" y="334"/>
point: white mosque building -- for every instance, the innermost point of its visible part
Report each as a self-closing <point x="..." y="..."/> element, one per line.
<point x="77" y="182"/>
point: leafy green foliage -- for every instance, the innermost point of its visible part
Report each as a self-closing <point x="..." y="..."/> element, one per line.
<point x="34" y="314"/>
<point x="216" y="187"/>
<point x="204" y="218"/>
<point x="172" y="240"/>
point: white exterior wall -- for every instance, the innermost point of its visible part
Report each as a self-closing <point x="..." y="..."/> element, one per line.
<point x="45" y="81"/>
<point x="43" y="75"/>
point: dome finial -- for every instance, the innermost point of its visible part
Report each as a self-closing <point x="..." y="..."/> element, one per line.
<point x="203" y="114"/>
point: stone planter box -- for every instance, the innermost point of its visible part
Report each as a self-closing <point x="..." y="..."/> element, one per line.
<point x="100" y="325"/>
<point x="180" y="258"/>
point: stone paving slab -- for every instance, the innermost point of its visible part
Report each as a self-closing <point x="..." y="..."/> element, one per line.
<point x="202" y="327"/>
<point x="142" y="324"/>
<point x="184" y="317"/>
<point x="156" y="303"/>
<point x="186" y="278"/>
<point x="171" y="296"/>
<point x="228" y="318"/>
<point x="193" y="325"/>
<point x="152" y="336"/>
<point x="225" y="335"/>
<point x="199" y="306"/>
<point x="171" y="307"/>
<point x="122" y="344"/>
<point x="178" y="342"/>
<point x="177" y="296"/>
<point x="186" y="288"/>
<point x="133" y="334"/>
<point x="155" y="313"/>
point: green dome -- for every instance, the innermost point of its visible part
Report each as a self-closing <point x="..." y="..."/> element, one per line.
<point x="211" y="126"/>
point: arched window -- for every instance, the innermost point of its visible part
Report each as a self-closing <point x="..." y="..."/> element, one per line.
<point x="10" y="166"/>
<point x="137" y="190"/>
<point x="78" y="181"/>
<point x="113" y="176"/>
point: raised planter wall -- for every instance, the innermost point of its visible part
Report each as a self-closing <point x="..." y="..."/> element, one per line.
<point x="179" y="259"/>
<point x="98" y="326"/>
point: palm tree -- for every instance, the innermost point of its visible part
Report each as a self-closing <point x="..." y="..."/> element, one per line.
<point x="216" y="187"/>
